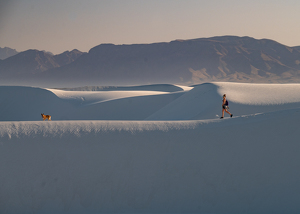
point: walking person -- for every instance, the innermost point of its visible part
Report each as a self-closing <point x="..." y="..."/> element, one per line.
<point x="225" y="107"/>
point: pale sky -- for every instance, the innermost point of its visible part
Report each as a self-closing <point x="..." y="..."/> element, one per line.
<point x="60" y="25"/>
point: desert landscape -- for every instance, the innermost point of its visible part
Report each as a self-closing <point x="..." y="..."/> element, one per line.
<point x="150" y="148"/>
<point x="116" y="106"/>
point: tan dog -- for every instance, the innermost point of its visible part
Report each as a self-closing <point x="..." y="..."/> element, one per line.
<point x="46" y="117"/>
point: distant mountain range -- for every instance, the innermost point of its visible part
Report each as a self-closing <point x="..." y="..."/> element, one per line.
<point x="7" y="52"/>
<point x="26" y="65"/>
<point x="297" y="48"/>
<point x="225" y="58"/>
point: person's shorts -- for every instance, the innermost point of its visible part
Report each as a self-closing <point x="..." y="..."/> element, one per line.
<point x="225" y="107"/>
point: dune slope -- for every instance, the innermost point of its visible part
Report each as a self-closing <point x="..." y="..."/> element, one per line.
<point x="197" y="164"/>
<point x="190" y="103"/>
<point x="244" y="164"/>
<point x="204" y="101"/>
<point x="20" y="103"/>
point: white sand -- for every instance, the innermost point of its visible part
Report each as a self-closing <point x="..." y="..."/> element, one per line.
<point x="245" y="164"/>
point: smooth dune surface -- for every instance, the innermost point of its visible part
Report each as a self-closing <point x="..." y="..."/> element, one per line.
<point x="191" y="103"/>
<point x="177" y="157"/>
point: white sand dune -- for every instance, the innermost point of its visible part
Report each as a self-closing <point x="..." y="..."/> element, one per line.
<point x="205" y="100"/>
<point x="153" y="87"/>
<point x="238" y="165"/>
<point x="92" y="97"/>
<point x="27" y="104"/>
<point x="192" y="103"/>
<point x="192" y="162"/>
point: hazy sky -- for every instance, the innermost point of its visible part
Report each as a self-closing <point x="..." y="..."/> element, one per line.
<point x="60" y="25"/>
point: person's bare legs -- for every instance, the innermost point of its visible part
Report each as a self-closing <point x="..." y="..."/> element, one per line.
<point x="225" y="111"/>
